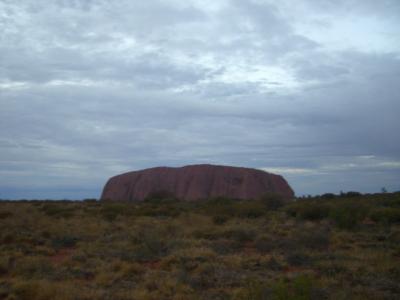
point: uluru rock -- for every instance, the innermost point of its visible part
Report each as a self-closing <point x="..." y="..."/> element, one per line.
<point x="196" y="182"/>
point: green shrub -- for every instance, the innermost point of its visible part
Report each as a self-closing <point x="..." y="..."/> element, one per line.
<point x="58" y="210"/>
<point x="164" y="209"/>
<point x="348" y="214"/>
<point x="229" y="208"/>
<point x="281" y="290"/>
<point x="314" y="212"/>
<point x="292" y="210"/>
<point x="152" y="243"/>
<point x="310" y="210"/>
<point x="302" y="287"/>
<point x="218" y="206"/>
<point x="110" y="211"/>
<point x="393" y="201"/>
<point x="249" y="209"/>
<point x="254" y="290"/>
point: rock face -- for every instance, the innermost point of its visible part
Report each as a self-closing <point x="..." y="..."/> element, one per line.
<point x="195" y="182"/>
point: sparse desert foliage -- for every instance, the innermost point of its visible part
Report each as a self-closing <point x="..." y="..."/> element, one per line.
<point x="328" y="247"/>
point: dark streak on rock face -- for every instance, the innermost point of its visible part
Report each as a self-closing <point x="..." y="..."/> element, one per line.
<point x="196" y="182"/>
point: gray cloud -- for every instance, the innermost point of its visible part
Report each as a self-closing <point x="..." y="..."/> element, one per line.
<point x="89" y="89"/>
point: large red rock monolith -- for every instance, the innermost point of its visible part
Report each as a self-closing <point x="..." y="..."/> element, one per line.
<point x="196" y="182"/>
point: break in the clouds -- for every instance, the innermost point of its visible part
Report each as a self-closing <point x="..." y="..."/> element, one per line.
<point x="89" y="89"/>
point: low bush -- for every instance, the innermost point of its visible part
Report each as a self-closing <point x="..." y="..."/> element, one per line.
<point x="350" y="194"/>
<point x="235" y="233"/>
<point x="315" y="239"/>
<point x="5" y="214"/>
<point x="27" y="290"/>
<point x="264" y="244"/>
<point x="58" y="210"/>
<point x="43" y="290"/>
<point x="328" y="196"/>
<point x="8" y="238"/>
<point x="110" y="211"/>
<point x="218" y="206"/>
<point x="314" y="212"/>
<point x="249" y="209"/>
<point x="205" y="276"/>
<point x="66" y="241"/>
<point x="220" y="219"/>
<point x="152" y="243"/>
<point x="225" y="246"/>
<point x="5" y="290"/>
<point x="159" y="197"/>
<point x="274" y="264"/>
<point x="347" y="215"/>
<point x="157" y="210"/>
<point x="254" y="289"/>
<point x="299" y="259"/>
<point x="273" y="201"/>
<point x="309" y="210"/>
<point x="332" y="269"/>
<point x="208" y="233"/>
<point x="33" y="267"/>
<point x="302" y="287"/>
<point x="4" y="265"/>
<point x="392" y="201"/>
<point x="239" y="234"/>
<point x="386" y="215"/>
<point x="230" y="208"/>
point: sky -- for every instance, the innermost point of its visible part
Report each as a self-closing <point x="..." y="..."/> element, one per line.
<point x="93" y="88"/>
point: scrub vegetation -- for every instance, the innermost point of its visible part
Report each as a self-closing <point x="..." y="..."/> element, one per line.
<point x="326" y="247"/>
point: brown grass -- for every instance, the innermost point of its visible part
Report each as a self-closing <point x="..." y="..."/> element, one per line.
<point x="214" y="250"/>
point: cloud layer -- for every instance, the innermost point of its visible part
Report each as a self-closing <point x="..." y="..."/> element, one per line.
<point x="89" y="89"/>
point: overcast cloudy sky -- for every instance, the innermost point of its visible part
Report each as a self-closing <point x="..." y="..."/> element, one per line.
<point x="93" y="88"/>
